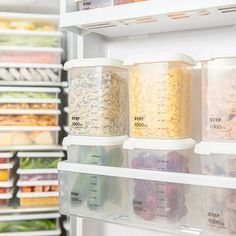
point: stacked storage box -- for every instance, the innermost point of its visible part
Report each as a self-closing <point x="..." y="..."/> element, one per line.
<point x="217" y="149"/>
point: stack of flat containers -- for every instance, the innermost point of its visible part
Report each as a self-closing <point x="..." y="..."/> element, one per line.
<point x="218" y="148"/>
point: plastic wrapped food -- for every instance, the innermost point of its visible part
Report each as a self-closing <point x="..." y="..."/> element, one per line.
<point x="153" y="201"/>
<point x="32" y="189"/>
<point x="30" y="74"/>
<point x="98" y="97"/>
<point x="5" y="157"/>
<point x="160" y="88"/>
<point x="219" y="204"/>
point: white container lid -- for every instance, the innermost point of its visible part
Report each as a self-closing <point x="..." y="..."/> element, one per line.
<point x="29" y="89"/>
<point x="66" y="128"/>
<point x="158" y="57"/>
<point x="208" y="148"/>
<point x="6" y="154"/>
<point x="92" y="62"/>
<point x="155" y="144"/>
<point x="6" y="184"/>
<point x="93" y="141"/>
<point x="36" y="171"/>
<point x="36" y="195"/>
<point x="66" y="90"/>
<point x="66" y="109"/>
<point x="30" y="128"/>
<point x="6" y="196"/>
<point x="7" y="166"/>
<point x="31" y="49"/>
<point x="29" y="65"/>
<point x="29" y="100"/>
<point x="29" y="111"/>
<point x="21" y="183"/>
<point x="40" y="154"/>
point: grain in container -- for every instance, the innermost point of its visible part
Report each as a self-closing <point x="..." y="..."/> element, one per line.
<point x="158" y="202"/>
<point x="219" y="209"/>
<point x="98" y="97"/>
<point x="160" y="90"/>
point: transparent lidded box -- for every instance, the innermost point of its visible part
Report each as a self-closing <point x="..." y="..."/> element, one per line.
<point x="160" y="95"/>
<point x="219" y="95"/>
<point x="98" y="101"/>
<point x="5" y="157"/>
<point x="219" y="205"/>
<point x="6" y="192"/>
<point x="86" y="193"/>
<point x="6" y="170"/>
<point x="158" y="202"/>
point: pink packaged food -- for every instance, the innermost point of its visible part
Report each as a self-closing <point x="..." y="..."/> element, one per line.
<point x="33" y="177"/>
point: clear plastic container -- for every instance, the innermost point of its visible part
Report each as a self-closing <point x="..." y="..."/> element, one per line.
<point x="5" y="198"/>
<point x="6" y="187"/>
<point x="98" y="101"/>
<point x="25" y="223"/>
<point x="158" y="202"/>
<point x="218" y="95"/>
<point x="5" y="157"/>
<point x="29" y="93"/>
<point x="30" y="55"/>
<point x="28" y="135"/>
<point x="160" y="90"/>
<point x="219" y="209"/>
<point x="37" y="174"/>
<point x="38" y="199"/>
<point x="6" y="171"/>
<point x="39" y="160"/>
<point x="30" y="72"/>
<point x="90" y="193"/>
<point x="31" y="117"/>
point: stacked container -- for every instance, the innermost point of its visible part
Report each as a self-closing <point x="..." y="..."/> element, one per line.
<point x="98" y="109"/>
<point x="160" y="90"/>
<point x="218" y="147"/>
<point x="38" y="179"/>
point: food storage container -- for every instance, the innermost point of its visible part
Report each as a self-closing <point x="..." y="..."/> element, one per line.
<point x="29" y="117"/>
<point x="28" y="93"/>
<point x="19" y="72"/>
<point x="219" y="209"/>
<point x="6" y="187"/>
<point x="91" y="4"/>
<point x="5" y="157"/>
<point x="98" y="97"/>
<point x="37" y="174"/>
<point x="6" y="171"/>
<point x="38" y="199"/>
<point x="28" y="135"/>
<point x="160" y="95"/>
<point x="89" y="193"/>
<point x="39" y="160"/>
<point x="219" y="95"/>
<point x="4" y="200"/>
<point x="30" y="39"/>
<point x="158" y="202"/>
<point x="30" y="55"/>
<point x="24" y="224"/>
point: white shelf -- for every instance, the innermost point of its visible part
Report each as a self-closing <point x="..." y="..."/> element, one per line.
<point x="150" y="17"/>
<point x="31" y="148"/>
<point x="10" y="210"/>
<point x="32" y="83"/>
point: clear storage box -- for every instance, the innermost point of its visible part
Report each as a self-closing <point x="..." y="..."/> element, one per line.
<point x="98" y="101"/>
<point x="89" y="193"/>
<point x="6" y="171"/>
<point x="5" y="198"/>
<point x="28" y="135"/>
<point x="30" y="55"/>
<point x="29" y="117"/>
<point x="219" y="209"/>
<point x="158" y="202"/>
<point x="160" y="88"/>
<point x="30" y="72"/>
<point x="5" y="157"/>
<point x="39" y="160"/>
<point x="218" y="95"/>
<point x="5" y="187"/>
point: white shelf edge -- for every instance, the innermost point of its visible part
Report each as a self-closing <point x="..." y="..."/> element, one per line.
<point x="34" y="233"/>
<point x="31" y="32"/>
<point x="161" y="176"/>
<point x="10" y="210"/>
<point x="30" y="147"/>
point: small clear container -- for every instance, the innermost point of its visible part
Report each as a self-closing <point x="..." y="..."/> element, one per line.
<point x="218" y="95"/>
<point x="20" y="73"/>
<point x="38" y="199"/>
<point x="28" y="135"/>
<point x="87" y="192"/>
<point x="6" y="187"/>
<point x="29" y="117"/>
<point x="6" y="171"/>
<point x="98" y="100"/>
<point x="160" y="92"/>
<point x="39" y="160"/>
<point x="5" y="157"/>
<point x="158" y="202"/>
<point x="4" y="199"/>
<point x="219" y="209"/>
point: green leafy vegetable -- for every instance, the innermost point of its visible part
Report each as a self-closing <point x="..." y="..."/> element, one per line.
<point x="39" y="163"/>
